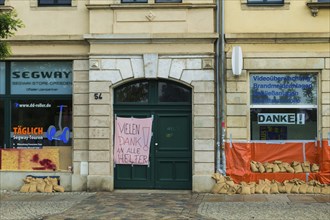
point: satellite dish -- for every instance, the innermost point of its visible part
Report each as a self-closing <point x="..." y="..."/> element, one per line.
<point x="237" y="60"/>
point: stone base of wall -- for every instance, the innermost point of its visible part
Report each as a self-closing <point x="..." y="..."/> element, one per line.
<point x="13" y="180"/>
<point x="79" y="183"/>
<point x="202" y="183"/>
<point x="99" y="183"/>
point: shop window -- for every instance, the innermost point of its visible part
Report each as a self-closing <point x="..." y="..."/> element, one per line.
<point x="39" y="123"/>
<point x="283" y="106"/>
<point x="265" y="2"/>
<point x="2" y="78"/>
<point x="54" y="2"/>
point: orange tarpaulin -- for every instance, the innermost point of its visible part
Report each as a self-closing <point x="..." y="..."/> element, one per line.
<point x="239" y="156"/>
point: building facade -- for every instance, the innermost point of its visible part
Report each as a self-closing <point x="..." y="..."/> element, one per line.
<point x="285" y="69"/>
<point x="77" y="65"/>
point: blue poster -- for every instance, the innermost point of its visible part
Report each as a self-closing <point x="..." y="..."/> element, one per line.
<point x="283" y="89"/>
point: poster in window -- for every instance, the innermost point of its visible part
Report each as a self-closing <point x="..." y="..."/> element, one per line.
<point x="273" y="133"/>
<point x="46" y="78"/>
<point x="39" y="123"/>
<point x="283" y="89"/>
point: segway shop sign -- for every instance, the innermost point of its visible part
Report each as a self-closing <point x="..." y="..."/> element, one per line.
<point x="281" y="118"/>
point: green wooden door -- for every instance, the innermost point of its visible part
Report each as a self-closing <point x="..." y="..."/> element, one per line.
<point x="171" y="143"/>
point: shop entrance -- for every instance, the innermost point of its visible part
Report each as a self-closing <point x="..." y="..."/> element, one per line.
<point x="171" y="145"/>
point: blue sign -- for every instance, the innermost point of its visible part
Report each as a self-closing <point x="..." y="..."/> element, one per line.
<point x="283" y="89"/>
<point x="53" y="78"/>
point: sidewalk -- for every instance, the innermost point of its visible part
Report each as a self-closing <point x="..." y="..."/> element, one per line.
<point x="149" y="204"/>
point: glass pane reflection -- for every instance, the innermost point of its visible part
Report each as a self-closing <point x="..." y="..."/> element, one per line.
<point x="170" y="92"/>
<point x="137" y="92"/>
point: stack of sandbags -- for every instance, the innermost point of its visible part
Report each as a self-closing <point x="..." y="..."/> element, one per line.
<point x="225" y="185"/>
<point x="283" y="167"/>
<point x="48" y="185"/>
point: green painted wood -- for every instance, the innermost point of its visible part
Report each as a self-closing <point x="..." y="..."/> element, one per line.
<point x="171" y="145"/>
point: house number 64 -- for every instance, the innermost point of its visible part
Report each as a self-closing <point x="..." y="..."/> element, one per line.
<point x="97" y="96"/>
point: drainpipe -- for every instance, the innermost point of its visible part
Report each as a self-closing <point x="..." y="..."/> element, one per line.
<point x="223" y="75"/>
<point x="220" y="89"/>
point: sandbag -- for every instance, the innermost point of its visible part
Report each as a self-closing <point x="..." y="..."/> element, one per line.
<point x="261" y="167"/>
<point x="297" y="167"/>
<point x="260" y="188"/>
<point x="25" y="188"/>
<point x="303" y="188"/>
<point x="224" y="189"/>
<point x="274" y="188"/>
<point x="218" y="177"/>
<point x="215" y="189"/>
<point x="315" y="168"/>
<point x="269" y="167"/>
<point x="317" y="189"/>
<point x="58" y="188"/>
<point x="276" y="168"/>
<point x="53" y="181"/>
<point x="232" y="189"/>
<point x="246" y="190"/>
<point x="288" y="186"/>
<point x="310" y="189"/>
<point x="306" y="167"/>
<point x="325" y="190"/>
<point x="252" y="186"/>
<point x="281" y="188"/>
<point x="254" y="166"/>
<point x="33" y="186"/>
<point x="41" y="185"/>
<point x="295" y="189"/>
<point x="282" y="168"/>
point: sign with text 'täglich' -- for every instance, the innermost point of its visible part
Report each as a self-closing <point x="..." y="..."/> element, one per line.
<point x="132" y="140"/>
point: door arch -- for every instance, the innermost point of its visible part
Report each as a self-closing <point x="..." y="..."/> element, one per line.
<point x="171" y="144"/>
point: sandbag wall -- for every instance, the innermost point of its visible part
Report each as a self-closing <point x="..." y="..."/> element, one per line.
<point x="225" y="185"/>
<point x="240" y="155"/>
<point x="47" y="185"/>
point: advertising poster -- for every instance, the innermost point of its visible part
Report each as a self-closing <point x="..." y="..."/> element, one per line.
<point x="283" y="89"/>
<point x="132" y="140"/>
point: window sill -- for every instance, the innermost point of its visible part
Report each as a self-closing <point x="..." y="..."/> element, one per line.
<point x="149" y="6"/>
<point x="315" y="6"/>
<point x="4" y="8"/>
<point x="254" y="7"/>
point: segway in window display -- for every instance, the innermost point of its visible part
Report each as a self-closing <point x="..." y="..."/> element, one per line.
<point x="61" y="134"/>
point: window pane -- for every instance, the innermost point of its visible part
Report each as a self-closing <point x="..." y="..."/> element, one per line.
<point x="2" y="125"/>
<point x="2" y="78"/>
<point x="134" y="1"/>
<point x="283" y="89"/>
<point x="40" y="123"/>
<point x="168" y="1"/>
<point x="170" y="92"/>
<point x="54" y="2"/>
<point x="283" y="124"/>
<point x="265" y="1"/>
<point x="2" y="2"/>
<point x="41" y="78"/>
<point x="137" y="92"/>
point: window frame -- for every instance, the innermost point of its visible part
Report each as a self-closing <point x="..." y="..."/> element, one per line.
<point x="269" y="107"/>
<point x="8" y="97"/>
<point x="55" y="3"/>
<point x="265" y="2"/>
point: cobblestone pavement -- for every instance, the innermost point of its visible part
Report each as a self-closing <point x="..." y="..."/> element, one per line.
<point x="161" y="205"/>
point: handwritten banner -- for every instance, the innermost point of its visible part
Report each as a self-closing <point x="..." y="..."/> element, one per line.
<point x="132" y="140"/>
